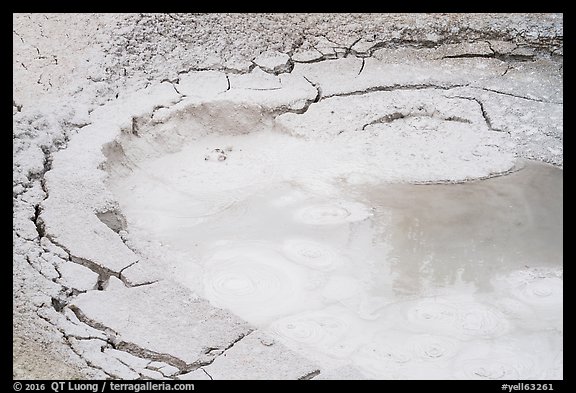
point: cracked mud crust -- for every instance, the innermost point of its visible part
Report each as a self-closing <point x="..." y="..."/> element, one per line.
<point x="89" y="301"/>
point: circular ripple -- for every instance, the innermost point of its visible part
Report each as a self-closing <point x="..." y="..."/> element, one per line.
<point x="254" y="282"/>
<point x="429" y="347"/>
<point x="342" y="349"/>
<point x="252" y="288"/>
<point x="319" y="330"/>
<point x="514" y="308"/>
<point x="487" y="369"/>
<point x="433" y="313"/>
<point x="311" y="254"/>
<point x="453" y="317"/>
<point x="332" y="213"/>
<point x="481" y="320"/>
<point x="544" y="291"/>
<point x="324" y="214"/>
<point x="496" y="364"/>
<point x="384" y="357"/>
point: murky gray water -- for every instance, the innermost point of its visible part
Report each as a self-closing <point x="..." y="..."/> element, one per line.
<point x="398" y="280"/>
<point x="472" y="230"/>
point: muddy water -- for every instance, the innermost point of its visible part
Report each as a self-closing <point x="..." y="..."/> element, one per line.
<point x="398" y="280"/>
<point x="442" y="233"/>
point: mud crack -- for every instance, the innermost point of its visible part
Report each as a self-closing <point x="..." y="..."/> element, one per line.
<point x="145" y="353"/>
<point x="398" y="115"/>
<point x="206" y="372"/>
<point x="310" y="375"/>
<point x="283" y="109"/>
<point x="394" y="87"/>
<point x="483" y="111"/>
<point x="66" y="338"/>
<point x="515" y="95"/>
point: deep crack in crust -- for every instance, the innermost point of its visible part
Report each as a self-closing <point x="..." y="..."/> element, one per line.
<point x="125" y="57"/>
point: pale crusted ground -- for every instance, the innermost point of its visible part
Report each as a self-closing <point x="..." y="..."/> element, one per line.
<point x="507" y="67"/>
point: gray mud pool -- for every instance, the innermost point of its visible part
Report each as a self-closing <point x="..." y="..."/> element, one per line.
<point x="398" y="280"/>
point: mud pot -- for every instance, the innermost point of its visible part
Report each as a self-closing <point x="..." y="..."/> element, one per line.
<point x="288" y="196"/>
<point x="398" y="280"/>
